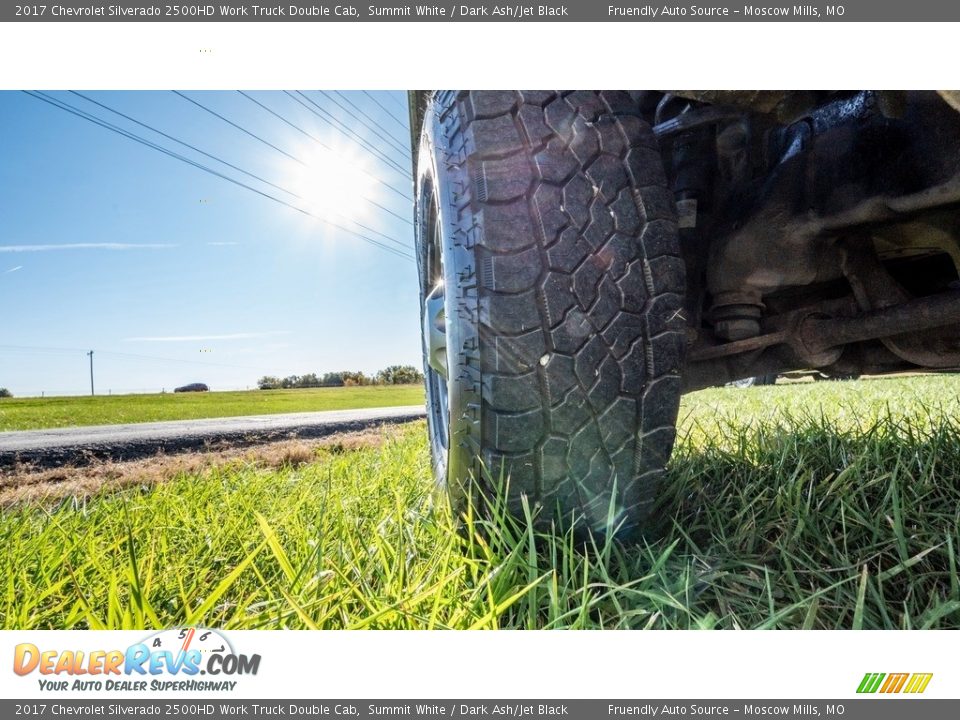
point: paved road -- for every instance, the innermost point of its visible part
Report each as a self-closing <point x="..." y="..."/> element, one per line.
<point x="125" y="442"/>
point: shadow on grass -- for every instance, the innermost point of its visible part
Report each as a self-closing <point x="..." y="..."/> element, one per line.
<point x="792" y="524"/>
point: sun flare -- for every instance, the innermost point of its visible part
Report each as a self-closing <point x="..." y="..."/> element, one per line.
<point x="332" y="186"/>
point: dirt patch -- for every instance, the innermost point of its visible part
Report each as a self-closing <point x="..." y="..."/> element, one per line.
<point x="24" y="484"/>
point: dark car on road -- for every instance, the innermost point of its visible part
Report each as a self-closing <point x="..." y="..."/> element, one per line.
<point x="192" y="387"/>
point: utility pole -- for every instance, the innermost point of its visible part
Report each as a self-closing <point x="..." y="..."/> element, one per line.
<point x="91" y="371"/>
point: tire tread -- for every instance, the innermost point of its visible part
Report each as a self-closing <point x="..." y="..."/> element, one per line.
<point x="579" y="258"/>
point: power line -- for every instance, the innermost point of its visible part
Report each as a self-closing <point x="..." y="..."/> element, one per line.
<point x="185" y="144"/>
<point x="238" y="127"/>
<point x="397" y="102"/>
<point x="341" y="126"/>
<point x="327" y="117"/>
<point x="143" y="141"/>
<point x="327" y="147"/>
<point x="241" y="170"/>
<point x="166" y="151"/>
<point x="138" y="356"/>
<point x="403" y="123"/>
<point x="41" y="350"/>
<point x="270" y="144"/>
<point x="75" y="351"/>
<point x="389" y="137"/>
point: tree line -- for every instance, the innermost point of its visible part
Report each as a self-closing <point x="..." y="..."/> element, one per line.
<point x="393" y="375"/>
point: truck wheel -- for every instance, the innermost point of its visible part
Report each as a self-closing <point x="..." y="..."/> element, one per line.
<point x="551" y="287"/>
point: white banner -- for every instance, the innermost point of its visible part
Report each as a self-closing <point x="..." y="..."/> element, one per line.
<point x="450" y="665"/>
<point x="216" y="55"/>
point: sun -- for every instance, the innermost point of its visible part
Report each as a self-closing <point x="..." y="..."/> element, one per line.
<point x="332" y="186"/>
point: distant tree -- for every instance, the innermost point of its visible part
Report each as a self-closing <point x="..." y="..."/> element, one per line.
<point x="5" y="393"/>
<point x="393" y="375"/>
<point x="355" y="377"/>
<point x="310" y="380"/>
<point x="399" y="375"/>
<point x="332" y="379"/>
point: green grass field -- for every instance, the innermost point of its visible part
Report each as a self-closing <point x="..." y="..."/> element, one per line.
<point x="828" y="505"/>
<point x="35" y="413"/>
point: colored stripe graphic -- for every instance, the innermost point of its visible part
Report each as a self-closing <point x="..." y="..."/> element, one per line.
<point x="918" y="682"/>
<point x="894" y="683"/>
<point x="870" y="682"/>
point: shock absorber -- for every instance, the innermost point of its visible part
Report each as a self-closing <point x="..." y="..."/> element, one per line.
<point x="687" y="135"/>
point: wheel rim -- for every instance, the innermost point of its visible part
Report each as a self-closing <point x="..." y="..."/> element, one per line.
<point x="435" y="344"/>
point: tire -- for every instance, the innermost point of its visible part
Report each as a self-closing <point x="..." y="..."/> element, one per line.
<point x="550" y="272"/>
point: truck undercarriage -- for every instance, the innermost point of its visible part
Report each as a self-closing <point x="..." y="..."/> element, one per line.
<point x="826" y="238"/>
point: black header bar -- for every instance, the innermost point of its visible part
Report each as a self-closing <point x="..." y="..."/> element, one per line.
<point x="479" y="11"/>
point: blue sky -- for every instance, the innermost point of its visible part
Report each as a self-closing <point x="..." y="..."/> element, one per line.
<point x="172" y="275"/>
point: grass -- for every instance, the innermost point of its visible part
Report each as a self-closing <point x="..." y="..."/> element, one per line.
<point x="832" y="505"/>
<point x="54" y="412"/>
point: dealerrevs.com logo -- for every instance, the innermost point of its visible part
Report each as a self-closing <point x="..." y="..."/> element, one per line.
<point x="170" y="660"/>
<point x="888" y="683"/>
